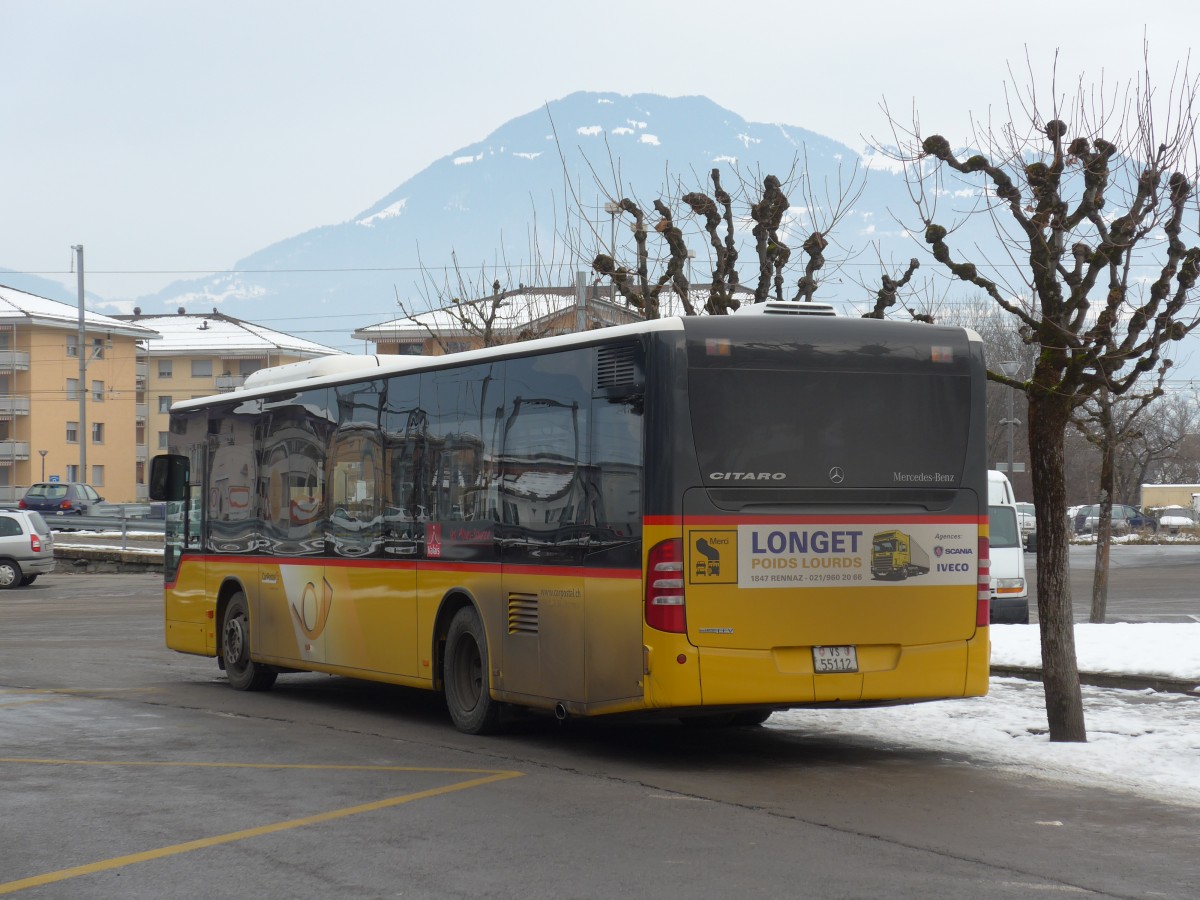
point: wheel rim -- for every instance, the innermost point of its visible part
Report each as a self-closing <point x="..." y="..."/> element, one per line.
<point x="468" y="674"/>
<point x="8" y="575"/>
<point x="235" y="641"/>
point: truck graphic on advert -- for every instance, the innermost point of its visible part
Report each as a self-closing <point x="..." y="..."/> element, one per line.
<point x="895" y="554"/>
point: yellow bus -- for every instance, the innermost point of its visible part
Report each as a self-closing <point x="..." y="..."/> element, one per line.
<point x="675" y="516"/>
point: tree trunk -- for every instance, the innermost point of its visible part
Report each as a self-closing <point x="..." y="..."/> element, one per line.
<point x="1048" y="418"/>
<point x="1104" y="530"/>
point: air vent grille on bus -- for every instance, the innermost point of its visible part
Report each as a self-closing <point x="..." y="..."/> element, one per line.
<point x="794" y="308"/>
<point x="616" y="366"/>
<point x="522" y="614"/>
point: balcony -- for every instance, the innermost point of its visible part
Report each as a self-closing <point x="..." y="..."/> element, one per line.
<point x="14" y="406"/>
<point x="227" y="383"/>
<point x="141" y="411"/>
<point x="13" y="450"/>
<point x="14" y="360"/>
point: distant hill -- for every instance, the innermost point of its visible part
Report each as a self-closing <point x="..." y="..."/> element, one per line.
<point x="488" y="195"/>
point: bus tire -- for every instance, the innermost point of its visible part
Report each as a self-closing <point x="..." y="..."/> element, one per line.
<point x="465" y="675"/>
<point x="244" y="673"/>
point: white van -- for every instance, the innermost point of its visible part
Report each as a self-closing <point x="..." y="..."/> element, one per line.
<point x="1010" y="593"/>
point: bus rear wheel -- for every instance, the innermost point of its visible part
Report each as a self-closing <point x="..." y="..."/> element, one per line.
<point x="244" y="673"/>
<point x="465" y="676"/>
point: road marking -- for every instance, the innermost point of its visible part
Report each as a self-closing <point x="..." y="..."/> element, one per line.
<point x="489" y="776"/>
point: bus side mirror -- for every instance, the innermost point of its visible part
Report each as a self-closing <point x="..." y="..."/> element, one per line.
<point x="169" y="477"/>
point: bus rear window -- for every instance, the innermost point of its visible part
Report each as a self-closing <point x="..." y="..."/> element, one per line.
<point x="795" y="428"/>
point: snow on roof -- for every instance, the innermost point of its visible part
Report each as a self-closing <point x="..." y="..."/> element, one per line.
<point x="19" y="305"/>
<point x="188" y="333"/>
<point x="521" y="308"/>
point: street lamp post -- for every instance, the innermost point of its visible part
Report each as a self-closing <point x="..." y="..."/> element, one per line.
<point x="1010" y="368"/>
<point x="43" y="453"/>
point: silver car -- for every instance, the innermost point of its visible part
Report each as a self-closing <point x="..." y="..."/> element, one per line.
<point x="26" y="547"/>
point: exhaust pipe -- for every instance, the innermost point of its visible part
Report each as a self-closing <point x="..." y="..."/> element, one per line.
<point x="560" y="712"/>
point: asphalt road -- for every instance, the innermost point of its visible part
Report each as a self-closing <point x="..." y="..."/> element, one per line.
<point x="131" y="771"/>
<point x="1151" y="583"/>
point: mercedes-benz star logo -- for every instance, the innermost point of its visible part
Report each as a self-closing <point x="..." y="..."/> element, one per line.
<point x="836" y="475"/>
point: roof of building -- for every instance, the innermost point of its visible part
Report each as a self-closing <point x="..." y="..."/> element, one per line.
<point x="18" y="306"/>
<point x="521" y="310"/>
<point x="191" y="333"/>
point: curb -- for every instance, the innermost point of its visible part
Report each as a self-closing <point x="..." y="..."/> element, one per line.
<point x="1160" y="683"/>
<point x="92" y="561"/>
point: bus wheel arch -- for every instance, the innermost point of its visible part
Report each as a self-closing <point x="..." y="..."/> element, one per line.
<point x="463" y="662"/>
<point x="233" y="644"/>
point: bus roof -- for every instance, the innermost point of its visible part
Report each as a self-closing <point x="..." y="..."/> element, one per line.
<point x="339" y="369"/>
<point x="334" y="370"/>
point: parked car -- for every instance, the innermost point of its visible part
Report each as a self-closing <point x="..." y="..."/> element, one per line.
<point x="1125" y="519"/>
<point x="26" y="547"/>
<point x="61" y="498"/>
<point x="1172" y="519"/>
<point x="1026" y="517"/>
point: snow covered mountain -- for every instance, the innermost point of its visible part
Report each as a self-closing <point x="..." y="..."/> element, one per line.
<point x="502" y="201"/>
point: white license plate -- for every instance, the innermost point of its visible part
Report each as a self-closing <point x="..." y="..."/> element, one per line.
<point x="835" y="659"/>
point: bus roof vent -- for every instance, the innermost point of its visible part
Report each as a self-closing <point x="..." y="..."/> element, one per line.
<point x="787" y="308"/>
<point x="617" y="367"/>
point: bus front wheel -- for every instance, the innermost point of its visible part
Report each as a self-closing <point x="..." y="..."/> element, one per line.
<point x="244" y="673"/>
<point x="465" y="675"/>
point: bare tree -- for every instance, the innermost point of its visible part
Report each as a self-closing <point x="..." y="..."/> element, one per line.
<point x="1089" y="198"/>
<point x="1109" y="424"/>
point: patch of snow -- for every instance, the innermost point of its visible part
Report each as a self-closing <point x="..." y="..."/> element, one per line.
<point x="390" y="212"/>
<point x="747" y="140"/>
<point x="466" y="160"/>
<point x="589" y="130"/>
<point x="621" y="129"/>
<point x="650" y="139"/>
<point x="528" y="155"/>
<point x="635" y="123"/>
<point x="732" y="160"/>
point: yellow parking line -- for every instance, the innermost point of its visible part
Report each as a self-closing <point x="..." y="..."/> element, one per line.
<point x="489" y="776"/>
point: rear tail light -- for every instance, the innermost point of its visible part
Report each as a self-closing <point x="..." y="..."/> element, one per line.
<point x="35" y="543"/>
<point x="66" y="504"/>
<point x="983" y="603"/>
<point x="665" y="609"/>
<point x="21" y="504"/>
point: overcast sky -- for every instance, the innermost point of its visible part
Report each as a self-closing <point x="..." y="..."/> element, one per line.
<point x="173" y="138"/>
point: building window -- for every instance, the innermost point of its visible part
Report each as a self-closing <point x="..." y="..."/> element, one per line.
<point x="98" y="391"/>
<point x="139" y="472"/>
<point x="248" y="367"/>
<point x="164" y="368"/>
<point x="202" y="368"/>
<point x="97" y="348"/>
<point x="97" y="432"/>
<point x="73" y="345"/>
<point x="164" y="440"/>
<point x="72" y="432"/>
<point x="164" y="404"/>
<point x="72" y="388"/>
<point x="139" y="434"/>
<point x="72" y="472"/>
<point x="97" y="476"/>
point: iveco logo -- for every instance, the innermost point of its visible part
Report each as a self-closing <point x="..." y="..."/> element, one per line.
<point x="836" y="475"/>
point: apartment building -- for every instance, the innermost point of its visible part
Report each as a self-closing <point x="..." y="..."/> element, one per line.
<point x="55" y="424"/>
<point x="499" y="319"/>
<point x="197" y="355"/>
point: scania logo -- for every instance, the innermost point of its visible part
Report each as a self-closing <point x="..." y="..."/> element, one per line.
<point x="837" y="475"/>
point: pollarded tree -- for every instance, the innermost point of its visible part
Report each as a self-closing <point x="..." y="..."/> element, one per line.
<point x="1089" y="197"/>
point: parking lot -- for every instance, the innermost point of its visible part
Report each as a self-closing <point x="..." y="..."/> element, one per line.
<point x="131" y="771"/>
